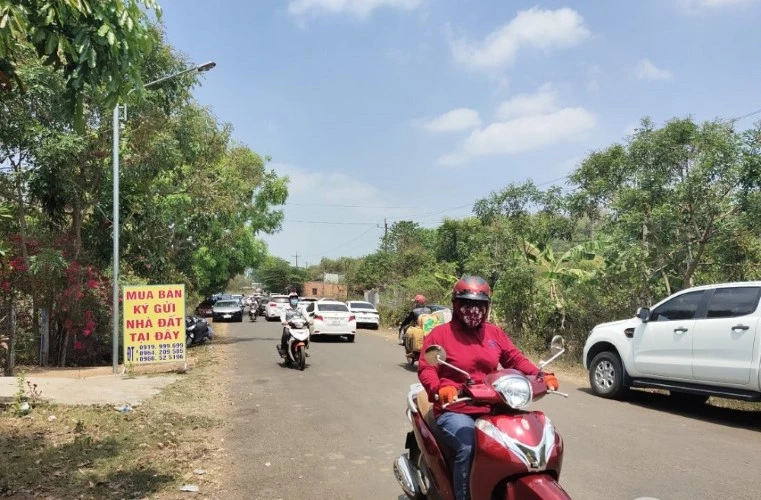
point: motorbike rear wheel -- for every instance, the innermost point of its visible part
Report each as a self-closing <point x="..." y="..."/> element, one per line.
<point x="301" y="358"/>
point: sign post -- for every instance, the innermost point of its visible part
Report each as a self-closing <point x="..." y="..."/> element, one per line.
<point x="154" y="324"/>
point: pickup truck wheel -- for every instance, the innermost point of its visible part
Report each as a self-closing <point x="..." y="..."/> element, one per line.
<point x="606" y="375"/>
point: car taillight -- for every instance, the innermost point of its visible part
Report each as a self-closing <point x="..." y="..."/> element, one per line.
<point x="352" y="318"/>
<point x="273" y="304"/>
<point x="319" y="317"/>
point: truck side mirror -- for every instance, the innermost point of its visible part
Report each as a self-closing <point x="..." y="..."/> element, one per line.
<point x="643" y="313"/>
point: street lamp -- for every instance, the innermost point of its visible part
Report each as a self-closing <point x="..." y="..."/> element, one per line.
<point x="115" y="276"/>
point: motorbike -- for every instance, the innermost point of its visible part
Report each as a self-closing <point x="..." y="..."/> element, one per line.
<point x="197" y="331"/>
<point x="298" y="343"/>
<point x="253" y="310"/>
<point x="518" y="453"/>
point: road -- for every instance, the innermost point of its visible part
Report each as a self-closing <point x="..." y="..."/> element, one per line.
<point x="332" y="431"/>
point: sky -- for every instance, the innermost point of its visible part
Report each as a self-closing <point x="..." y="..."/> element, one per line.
<point x="387" y="110"/>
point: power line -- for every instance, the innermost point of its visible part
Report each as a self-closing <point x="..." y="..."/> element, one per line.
<point x="343" y="244"/>
<point x="748" y="115"/>
<point x="330" y="222"/>
<point x="350" y="206"/>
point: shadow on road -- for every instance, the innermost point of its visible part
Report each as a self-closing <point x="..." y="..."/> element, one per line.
<point x="743" y="419"/>
<point x="409" y="367"/>
<point x="225" y="340"/>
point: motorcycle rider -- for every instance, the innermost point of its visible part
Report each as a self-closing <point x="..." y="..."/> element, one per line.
<point x="477" y="347"/>
<point x="287" y="315"/>
<point x="417" y="310"/>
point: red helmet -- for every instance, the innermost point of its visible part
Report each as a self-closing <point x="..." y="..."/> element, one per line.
<point x="472" y="288"/>
<point x="420" y="299"/>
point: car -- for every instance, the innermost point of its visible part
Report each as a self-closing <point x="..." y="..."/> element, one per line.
<point x="204" y="309"/>
<point x="227" y="310"/>
<point x="331" y="318"/>
<point x="274" y="306"/>
<point x="699" y="342"/>
<point x="365" y="312"/>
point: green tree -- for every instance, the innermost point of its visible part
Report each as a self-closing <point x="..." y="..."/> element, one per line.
<point x="671" y="193"/>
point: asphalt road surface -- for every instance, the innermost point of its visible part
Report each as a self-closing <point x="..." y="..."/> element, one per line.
<point x="333" y="430"/>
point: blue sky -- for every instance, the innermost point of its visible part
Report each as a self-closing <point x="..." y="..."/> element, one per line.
<point x="414" y="109"/>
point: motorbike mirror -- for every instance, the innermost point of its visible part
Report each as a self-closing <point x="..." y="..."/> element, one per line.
<point x="435" y="354"/>
<point x="557" y="343"/>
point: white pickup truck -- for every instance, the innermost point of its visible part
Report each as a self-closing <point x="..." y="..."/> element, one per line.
<point x="700" y="342"/>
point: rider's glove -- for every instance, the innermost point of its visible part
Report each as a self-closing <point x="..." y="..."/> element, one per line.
<point x="447" y="394"/>
<point x="551" y="380"/>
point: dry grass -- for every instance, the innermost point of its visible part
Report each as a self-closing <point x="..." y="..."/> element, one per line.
<point x="98" y="452"/>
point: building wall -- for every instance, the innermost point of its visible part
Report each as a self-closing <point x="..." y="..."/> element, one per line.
<point x="320" y="289"/>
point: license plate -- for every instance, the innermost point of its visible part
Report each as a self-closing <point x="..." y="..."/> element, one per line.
<point x="227" y="316"/>
<point x="334" y="321"/>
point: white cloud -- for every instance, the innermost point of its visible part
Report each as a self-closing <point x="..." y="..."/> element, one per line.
<point x="646" y="70"/>
<point x="542" y="101"/>
<point x="525" y="122"/>
<point x="359" y="8"/>
<point x="529" y="132"/>
<point x="326" y="187"/>
<point x="456" y="120"/>
<point x="538" y="28"/>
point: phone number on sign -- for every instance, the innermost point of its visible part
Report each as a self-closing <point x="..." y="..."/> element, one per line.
<point x="169" y="352"/>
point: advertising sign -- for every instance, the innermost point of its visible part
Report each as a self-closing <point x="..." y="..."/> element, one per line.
<point x="154" y="323"/>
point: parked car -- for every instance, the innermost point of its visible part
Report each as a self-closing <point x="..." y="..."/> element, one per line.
<point x="274" y="306"/>
<point x="697" y="343"/>
<point x="365" y="312"/>
<point x="331" y="318"/>
<point x="227" y="310"/>
<point x="205" y="308"/>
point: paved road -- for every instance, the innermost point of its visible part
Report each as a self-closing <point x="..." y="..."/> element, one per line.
<point x="332" y="431"/>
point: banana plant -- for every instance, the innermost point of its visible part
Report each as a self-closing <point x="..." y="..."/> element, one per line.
<point x="555" y="270"/>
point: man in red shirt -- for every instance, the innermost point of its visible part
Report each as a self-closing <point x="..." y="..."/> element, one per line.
<point x="477" y="347"/>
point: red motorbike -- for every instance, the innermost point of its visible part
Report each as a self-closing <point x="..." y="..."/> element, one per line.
<point x="518" y="453"/>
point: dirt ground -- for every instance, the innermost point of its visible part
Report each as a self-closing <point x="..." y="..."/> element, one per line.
<point x="90" y="452"/>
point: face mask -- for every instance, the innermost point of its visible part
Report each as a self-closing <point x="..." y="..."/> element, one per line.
<point x="294" y="303"/>
<point x="472" y="314"/>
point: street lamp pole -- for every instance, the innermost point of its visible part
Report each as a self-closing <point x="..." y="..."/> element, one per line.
<point x="115" y="274"/>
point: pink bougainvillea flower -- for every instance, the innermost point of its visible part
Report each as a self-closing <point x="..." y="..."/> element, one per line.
<point x="79" y="345"/>
<point x="86" y="332"/>
<point x="92" y="284"/>
<point x="5" y="286"/>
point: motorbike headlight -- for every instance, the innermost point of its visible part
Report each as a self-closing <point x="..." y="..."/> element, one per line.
<point x="515" y="390"/>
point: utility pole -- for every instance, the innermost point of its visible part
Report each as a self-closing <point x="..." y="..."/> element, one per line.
<point x="297" y="259"/>
<point x="385" y="229"/>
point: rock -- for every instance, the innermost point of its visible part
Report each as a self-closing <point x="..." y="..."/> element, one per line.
<point x="192" y="488"/>
<point x="200" y="472"/>
<point x="52" y="417"/>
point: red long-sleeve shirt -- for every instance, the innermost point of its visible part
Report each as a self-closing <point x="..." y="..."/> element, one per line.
<point x="477" y="352"/>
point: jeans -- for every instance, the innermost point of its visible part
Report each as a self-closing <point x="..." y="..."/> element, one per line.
<point x="459" y="433"/>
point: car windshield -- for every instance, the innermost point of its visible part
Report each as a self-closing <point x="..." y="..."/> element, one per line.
<point x="333" y="307"/>
<point x="227" y="303"/>
<point x="362" y="305"/>
<point x="281" y="300"/>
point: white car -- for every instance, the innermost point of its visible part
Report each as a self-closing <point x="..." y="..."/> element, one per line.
<point x="274" y="306"/>
<point x="700" y="342"/>
<point x="331" y="318"/>
<point x="365" y="312"/>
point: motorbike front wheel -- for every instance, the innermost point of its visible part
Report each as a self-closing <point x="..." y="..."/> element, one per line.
<point x="301" y="357"/>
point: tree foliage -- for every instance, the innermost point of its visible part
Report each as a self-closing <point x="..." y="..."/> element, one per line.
<point x="193" y="200"/>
